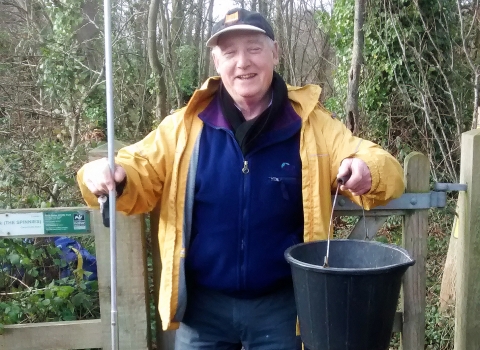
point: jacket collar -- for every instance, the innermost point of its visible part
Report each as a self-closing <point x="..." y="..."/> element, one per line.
<point x="304" y="99"/>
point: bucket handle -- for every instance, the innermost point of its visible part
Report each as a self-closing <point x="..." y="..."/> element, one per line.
<point x="340" y="181"/>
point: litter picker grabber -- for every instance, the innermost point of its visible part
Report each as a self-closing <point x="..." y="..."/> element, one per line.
<point x="111" y="160"/>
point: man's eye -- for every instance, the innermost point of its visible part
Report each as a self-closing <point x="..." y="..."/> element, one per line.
<point x="254" y="49"/>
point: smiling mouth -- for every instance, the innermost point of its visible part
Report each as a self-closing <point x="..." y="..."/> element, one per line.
<point x="246" y="76"/>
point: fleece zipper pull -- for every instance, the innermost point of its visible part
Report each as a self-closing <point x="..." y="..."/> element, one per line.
<point x="245" y="169"/>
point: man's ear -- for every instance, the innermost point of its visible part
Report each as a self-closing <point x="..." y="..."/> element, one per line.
<point x="276" y="53"/>
<point x="215" y="58"/>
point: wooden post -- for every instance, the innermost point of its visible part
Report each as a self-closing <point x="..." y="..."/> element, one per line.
<point x="415" y="226"/>
<point x="132" y="283"/>
<point x="467" y="311"/>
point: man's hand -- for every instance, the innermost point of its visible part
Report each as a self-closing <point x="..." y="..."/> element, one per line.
<point x="98" y="178"/>
<point x="359" y="178"/>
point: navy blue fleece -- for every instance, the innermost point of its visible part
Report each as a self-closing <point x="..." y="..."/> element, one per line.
<point x="243" y="222"/>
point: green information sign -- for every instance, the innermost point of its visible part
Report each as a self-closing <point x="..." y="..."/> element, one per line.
<point x="21" y="224"/>
<point x="63" y="222"/>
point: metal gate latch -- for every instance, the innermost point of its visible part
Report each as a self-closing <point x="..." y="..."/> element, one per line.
<point x="411" y="201"/>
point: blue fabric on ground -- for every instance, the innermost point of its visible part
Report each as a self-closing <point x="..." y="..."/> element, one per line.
<point x="65" y="244"/>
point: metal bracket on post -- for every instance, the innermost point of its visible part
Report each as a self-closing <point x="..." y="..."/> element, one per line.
<point x="445" y="187"/>
<point x="409" y="201"/>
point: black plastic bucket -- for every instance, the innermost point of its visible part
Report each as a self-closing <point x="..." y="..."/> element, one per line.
<point x="351" y="304"/>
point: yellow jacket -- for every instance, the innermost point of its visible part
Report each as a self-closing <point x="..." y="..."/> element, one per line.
<point x="157" y="169"/>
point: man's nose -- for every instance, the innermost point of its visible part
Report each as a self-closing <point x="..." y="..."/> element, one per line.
<point x="243" y="60"/>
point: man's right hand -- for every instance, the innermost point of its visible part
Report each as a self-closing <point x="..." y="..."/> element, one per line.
<point x="98" y="177"/>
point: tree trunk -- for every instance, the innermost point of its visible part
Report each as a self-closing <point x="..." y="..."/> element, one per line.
<point x="197" y="43"/>
<point x="73" y="123"/>
<point x="478" y="119"/>
<point x="476" y="100"/>
<point x="279" y="24"/>
<point x="157" y="68"/>
<point x="164" y="29"/>
<point x="193" y="12"/>
<point x="290" y="76"/>
<point x="206" y="65"/>
<point x="263" y="8"/>
<point x="351" y="106"/>
<point x="175" y="39"/>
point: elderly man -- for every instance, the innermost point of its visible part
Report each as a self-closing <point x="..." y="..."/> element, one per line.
<point x="241" y="173"/>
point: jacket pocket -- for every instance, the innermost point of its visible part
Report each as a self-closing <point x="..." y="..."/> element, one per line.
<point x="286" y="184"/>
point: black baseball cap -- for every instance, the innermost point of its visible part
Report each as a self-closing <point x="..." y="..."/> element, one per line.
<point x="240" y="19"/>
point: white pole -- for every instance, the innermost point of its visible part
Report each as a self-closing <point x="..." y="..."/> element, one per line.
<point x="111" y="161"/>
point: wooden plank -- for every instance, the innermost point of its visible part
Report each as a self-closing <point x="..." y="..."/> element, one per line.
<point x="372" y="224"/>
<point x="467" y="322"/>
<point x="53" y="335"/>
<point x="415" y="226"/>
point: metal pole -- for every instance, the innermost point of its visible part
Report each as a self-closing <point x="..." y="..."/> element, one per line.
<point x="111" y="161"/>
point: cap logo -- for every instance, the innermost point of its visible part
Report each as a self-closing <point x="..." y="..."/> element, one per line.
<point x="231" y="17"/>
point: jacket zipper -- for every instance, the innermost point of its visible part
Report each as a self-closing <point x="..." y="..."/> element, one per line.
<point x="245" y="170"/>
<point x="243" y="235"/>
<point x="242" y="231"/>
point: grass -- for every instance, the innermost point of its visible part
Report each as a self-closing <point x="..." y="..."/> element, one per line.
<point x="439" y="325"/>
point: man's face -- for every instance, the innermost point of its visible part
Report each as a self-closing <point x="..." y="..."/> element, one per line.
<point x="245" y="61"/>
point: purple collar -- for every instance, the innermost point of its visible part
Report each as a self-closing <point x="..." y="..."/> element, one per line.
<point x="213" y="116"/>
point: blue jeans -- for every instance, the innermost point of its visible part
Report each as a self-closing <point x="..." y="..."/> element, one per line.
<point x="215" y="321"/>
